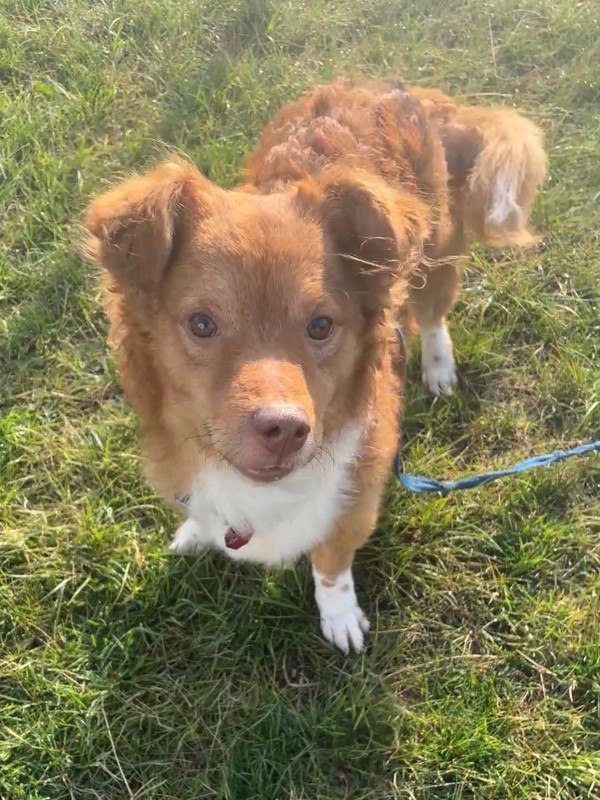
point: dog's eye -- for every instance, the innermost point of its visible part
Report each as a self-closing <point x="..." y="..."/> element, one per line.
<point x="203" y="326"/>
<point x="320" y="328"/>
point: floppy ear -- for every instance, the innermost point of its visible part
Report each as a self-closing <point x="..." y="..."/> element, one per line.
<point x="134" y="226"/>
<point x="375" y="229"/>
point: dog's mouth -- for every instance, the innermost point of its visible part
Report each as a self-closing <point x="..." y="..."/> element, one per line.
<point x="264" y="471"/>
<point x="265" y="474"/>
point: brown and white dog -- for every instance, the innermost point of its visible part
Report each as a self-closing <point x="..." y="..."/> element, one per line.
<point x="255" y="327"/>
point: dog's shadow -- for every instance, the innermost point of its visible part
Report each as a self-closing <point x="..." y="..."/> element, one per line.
<point x="202" y="647"/>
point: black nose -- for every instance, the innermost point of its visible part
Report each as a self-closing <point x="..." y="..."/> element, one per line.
<point x="282" y="429"/>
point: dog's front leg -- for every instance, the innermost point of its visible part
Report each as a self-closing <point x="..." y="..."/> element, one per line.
<point x="188" y="538"/>
<point x="343" y="622"/>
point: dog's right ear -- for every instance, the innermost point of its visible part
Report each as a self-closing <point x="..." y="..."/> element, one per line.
<point x="133" y="228"/>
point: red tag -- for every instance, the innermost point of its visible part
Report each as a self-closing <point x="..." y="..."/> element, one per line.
<point x="235" y="540"/>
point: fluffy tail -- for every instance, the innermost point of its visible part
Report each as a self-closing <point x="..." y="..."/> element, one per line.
<point x="497" y="163"/>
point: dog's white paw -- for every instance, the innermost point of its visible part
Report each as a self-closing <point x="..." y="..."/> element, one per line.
<point x="342" y="621"/>
<point x="440" y="378"/>
<point x="346" y="630"/>
<point x="188" y="538"/>
<point x="437" y="361"/>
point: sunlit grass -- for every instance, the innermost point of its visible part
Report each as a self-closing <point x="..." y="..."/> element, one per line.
<point x="127" y="673"/>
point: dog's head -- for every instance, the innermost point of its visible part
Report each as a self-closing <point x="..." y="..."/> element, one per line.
<point x="250" y="323"/>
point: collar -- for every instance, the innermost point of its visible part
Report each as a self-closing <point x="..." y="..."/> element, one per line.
<point x="233" y="539"/>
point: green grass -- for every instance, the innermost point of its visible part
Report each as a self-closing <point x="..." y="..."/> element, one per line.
<point x="125" y="673"/>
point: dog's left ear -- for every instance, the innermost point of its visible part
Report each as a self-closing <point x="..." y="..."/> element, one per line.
<point x="376" y="230"/>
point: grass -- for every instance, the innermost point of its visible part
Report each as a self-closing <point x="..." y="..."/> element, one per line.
<point x="125" y="673"/>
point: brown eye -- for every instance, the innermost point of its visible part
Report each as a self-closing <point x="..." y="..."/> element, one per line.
<point x="203" y="326"/>
<point x="320" y="328"/>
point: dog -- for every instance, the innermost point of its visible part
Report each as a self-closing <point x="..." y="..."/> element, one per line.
<point x="255" y="328"/>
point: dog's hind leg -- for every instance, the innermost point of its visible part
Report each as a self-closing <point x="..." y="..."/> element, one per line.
<point x="496" y="164"/>
<point x="430" y="302"/>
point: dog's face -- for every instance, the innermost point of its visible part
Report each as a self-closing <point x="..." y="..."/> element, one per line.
<point x="250" y="318"/>
<point x="258" y="332"/>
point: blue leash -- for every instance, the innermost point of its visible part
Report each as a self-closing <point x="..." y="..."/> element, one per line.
<point x="423" y="485"/>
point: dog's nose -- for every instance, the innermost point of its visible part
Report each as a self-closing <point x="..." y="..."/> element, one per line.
<point x="282" y="429"/>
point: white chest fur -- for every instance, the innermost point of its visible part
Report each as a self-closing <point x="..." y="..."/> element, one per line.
<point x="287" y="518"/>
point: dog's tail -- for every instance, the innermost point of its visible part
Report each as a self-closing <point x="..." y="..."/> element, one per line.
<point x="497" y="162"/>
